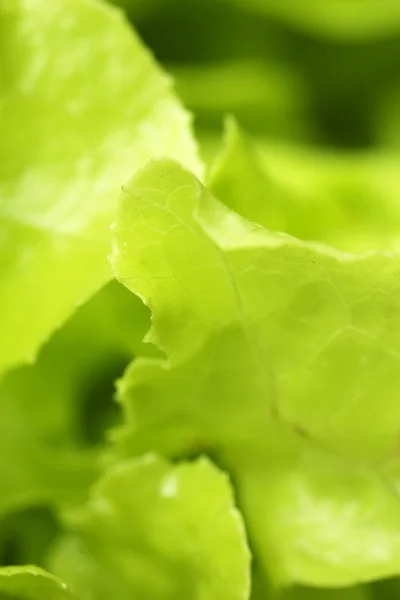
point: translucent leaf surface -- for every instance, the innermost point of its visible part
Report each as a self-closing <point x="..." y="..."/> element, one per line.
<point x="156" y="531"/>
<point x="82" y="105"/>
<point x="279" y="354"/>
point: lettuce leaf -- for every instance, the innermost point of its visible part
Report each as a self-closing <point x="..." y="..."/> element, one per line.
<point x="54" y="413"/>
<point x="156" y="531"/>
<point x="278" y="353"/>
<point x="349" y="200"/>
<point x="31" y="583"/>
<point x="82" y="105"/>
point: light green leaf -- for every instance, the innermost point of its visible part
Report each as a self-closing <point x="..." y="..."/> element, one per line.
<point x="239" y="178"/>
<point x="349" y="200"/>
<point x="31" y="583"/>
<point x="156" y="531"/>
<point x="82" y="105"/>
<point x="317" y="520"/>
<point x="278" y="353"/>
<point x="261" y="591"/>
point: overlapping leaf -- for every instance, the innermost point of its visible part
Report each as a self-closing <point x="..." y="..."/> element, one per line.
<point x="158" y="531"/>
<point x="54" y="413"/>
<point x="278" y="354"/>
<point x="349" y="200"/>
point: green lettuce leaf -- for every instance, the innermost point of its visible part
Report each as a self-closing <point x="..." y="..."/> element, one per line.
<point x="349" y="200"/>
<point x="31" y="583"/>
<point x="54" y="413"/>
<point x="261" y="590"/>
<point x="279" y="352"/>
<point x="82" y="105"/>
<point x="156" y="531"/>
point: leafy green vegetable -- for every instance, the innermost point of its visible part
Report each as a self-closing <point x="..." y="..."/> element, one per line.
<point x="82" y="105"/>
<point x="48" y="418"/>
<point x="153" y="530"/>
<point x="350" y="201"/>
<point x="257" y="358"/>
<point x="31" y="583"/>
<point x="254" y="323"/>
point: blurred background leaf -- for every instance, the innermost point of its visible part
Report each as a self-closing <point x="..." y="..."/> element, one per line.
<point x="320" y="72"/>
